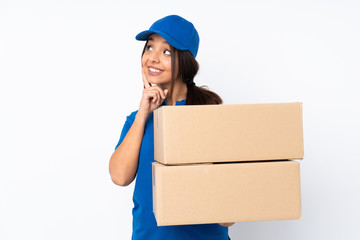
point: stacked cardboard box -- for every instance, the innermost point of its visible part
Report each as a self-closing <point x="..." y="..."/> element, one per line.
<point x="227" y="163"/>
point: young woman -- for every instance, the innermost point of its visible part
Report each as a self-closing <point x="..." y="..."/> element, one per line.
<point x="168" y="71"/>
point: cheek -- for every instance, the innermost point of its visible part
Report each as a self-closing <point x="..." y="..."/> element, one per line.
<point x="143" y="61"/>
<point x="167" y="63"/>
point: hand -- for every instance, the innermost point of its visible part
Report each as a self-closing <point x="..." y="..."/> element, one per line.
<point x="227" y="224"/>
<point x="152" y="98"/>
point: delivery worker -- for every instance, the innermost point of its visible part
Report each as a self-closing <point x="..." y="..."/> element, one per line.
<point x="168" y="71"/>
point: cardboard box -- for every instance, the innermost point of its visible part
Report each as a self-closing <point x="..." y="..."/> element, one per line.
<point x="232" y="192"/>
<point x="228" y="133"/>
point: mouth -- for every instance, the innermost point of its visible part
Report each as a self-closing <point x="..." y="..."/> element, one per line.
<point x="154" y="70"/>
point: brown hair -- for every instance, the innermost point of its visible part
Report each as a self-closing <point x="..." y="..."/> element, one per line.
<point x="188" y="68"/>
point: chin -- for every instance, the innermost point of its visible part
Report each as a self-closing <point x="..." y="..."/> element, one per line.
<point x="156" y="82"/>
<point x="153" y="82"/>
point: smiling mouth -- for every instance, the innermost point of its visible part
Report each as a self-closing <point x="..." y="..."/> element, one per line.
<point x="154" y="70"/>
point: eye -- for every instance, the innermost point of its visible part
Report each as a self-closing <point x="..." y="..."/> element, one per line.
<point x="167" y="52"/>
<point x="149" y="48"/>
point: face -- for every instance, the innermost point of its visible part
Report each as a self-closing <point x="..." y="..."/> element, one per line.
<point x="156" y="60"/>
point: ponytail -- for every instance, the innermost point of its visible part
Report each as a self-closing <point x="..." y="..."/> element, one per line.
<point x="201" y="96"/>
<point x="188" y="68"/>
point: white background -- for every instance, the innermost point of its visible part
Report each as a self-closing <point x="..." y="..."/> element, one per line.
<point x="70" y="74"/>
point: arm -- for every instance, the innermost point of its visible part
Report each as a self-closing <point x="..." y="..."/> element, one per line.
<point x="124" y="161"/>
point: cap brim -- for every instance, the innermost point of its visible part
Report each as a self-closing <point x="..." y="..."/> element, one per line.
<point x="143" y="36"/>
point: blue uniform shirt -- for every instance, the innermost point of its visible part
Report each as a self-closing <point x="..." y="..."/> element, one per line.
<point x="144" y="223"/>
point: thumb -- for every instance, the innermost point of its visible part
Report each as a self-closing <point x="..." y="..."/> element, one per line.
<point x="166" y="92"/>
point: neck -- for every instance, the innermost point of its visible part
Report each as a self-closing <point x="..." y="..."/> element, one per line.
<point x="178" y="94"/>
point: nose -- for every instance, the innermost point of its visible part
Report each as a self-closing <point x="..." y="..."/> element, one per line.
<point x="154" y="56"/>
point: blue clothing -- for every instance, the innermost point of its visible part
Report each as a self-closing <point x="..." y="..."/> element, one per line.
<point x="144" y="223"/>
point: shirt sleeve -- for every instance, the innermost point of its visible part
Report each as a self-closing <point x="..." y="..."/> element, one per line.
<point x="128" y="123"/>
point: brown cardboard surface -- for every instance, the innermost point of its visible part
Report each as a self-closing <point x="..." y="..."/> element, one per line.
<point x="231" y="192"/>
<point x="228" y="133"/>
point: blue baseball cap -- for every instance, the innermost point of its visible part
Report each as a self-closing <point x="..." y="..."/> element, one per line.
<point x="177" y="31"/>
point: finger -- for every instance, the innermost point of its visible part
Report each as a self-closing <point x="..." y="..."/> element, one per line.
<point x="149" y="95"/>
<point x="158" y="98"/>
<point x="161" y="91"/>
<point x="161" y="99"/>
<point x="146" y="83"/>
<point x="154" y="96"/>
<point x="166" y="92"/>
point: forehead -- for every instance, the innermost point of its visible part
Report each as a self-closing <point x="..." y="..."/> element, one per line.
<point x="157" y="38"/>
